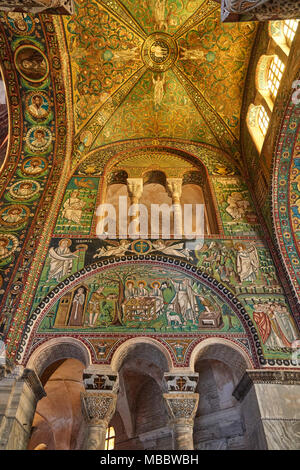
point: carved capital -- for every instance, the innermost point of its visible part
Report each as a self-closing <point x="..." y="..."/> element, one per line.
<point x="32" y="380"/>
<point x="135" y="189"/>
<point x="98" y="407"/>
<point x="251" y="377"/>
<point x="57" y="7"/>
<point x="181" y="406"/>
<point x="28" y="376"/>
<point x="174" y="189"/>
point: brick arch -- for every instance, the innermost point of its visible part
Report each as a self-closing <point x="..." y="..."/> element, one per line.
<point x="224" y="350"/>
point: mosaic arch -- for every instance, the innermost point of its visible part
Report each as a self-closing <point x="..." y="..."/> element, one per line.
<point x="151" y="296"/>
<point x="215" y="160"/>
<point x="165" y="298"/>
<point x="39" y="147"/>
<point x="286" y="195"/>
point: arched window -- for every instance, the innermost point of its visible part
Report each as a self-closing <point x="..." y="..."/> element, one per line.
<point x="283" y="33"/>
<point x="275" y="75"/>
<point x="263" y="120"/>
<point x="289" y="30"/>
<point x="110" y="438"/>
<point x="269" y="73"/>
<point x="258" y="122"/>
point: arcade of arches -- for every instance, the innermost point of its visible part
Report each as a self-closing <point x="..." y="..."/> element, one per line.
<point x="122" y="125"/>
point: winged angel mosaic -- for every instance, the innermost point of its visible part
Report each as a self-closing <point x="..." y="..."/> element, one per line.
<point x="144" y="247"/>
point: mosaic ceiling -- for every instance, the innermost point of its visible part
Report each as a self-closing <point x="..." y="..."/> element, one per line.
<point x="154" y="69"/>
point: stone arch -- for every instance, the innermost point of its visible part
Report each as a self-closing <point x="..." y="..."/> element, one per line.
<point x="55" y="350"/>
<point x="141" y="363"/>
<point x="125" y="348"/>
<point x="219" y="421"/>
<point x="223" y="350"/>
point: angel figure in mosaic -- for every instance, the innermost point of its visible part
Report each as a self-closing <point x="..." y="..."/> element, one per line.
<point x="113" y="249"/>
<point x="168" y="248"/>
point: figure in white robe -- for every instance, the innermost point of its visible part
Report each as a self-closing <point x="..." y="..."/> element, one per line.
<point x="185" y="300"/>
<point x="159" y="89"/>
<point x="238" y="206"/>
<point x="76" y="317"/>
<point x="247" y="262"/>
<point x="113" y="249"/>
<point x="159" y="15"/>
<point x="73" y="207"/>
<point x="158" y="296"/>
<point x="61" y="260"/>
<point x="191" y="54"/>
<point x="141" y="291"/>
<point x="285" y="322"/>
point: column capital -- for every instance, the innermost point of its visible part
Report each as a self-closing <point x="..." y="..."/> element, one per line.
<point x="33" y="381"/>
<point x="135" y="188"/>
<point x="57" y="7"/>
<point x="27" y="376"/>
<point x="181" y="406"/>
<point x="252" y="377"/>
<point x="174" y="189"/>
<point x="98" y="407"/>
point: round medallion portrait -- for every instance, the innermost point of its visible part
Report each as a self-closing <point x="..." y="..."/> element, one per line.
<point x="34" y="166"/>
<point x="31" y="63"/>
<point x="14" y="215"/>
<point x="20" y="23"/>
<point x="38" y="138"/>
<point x="38" y="105"/>
<point x="24" y="189"/>
<point x="159" y="52"/>
<point x="86" y="137"/>
<point x="8" y="244"/>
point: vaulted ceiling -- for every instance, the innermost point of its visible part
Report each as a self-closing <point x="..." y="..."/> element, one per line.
<point x="156" y="69"/>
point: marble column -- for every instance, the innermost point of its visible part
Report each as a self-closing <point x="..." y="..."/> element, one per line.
<point x="182" y="403"/>
<point x="98" y="408"/>
<point x="174" y="190"/>
<point x="20" y="390"/>
<point x="259" y="10"/>
<point x="135" y="191"/>
<point x="98" y="403"/>
<point x="182" y="408"/>
<point x="270" y="403"/>
<point x="55" y="7"/>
